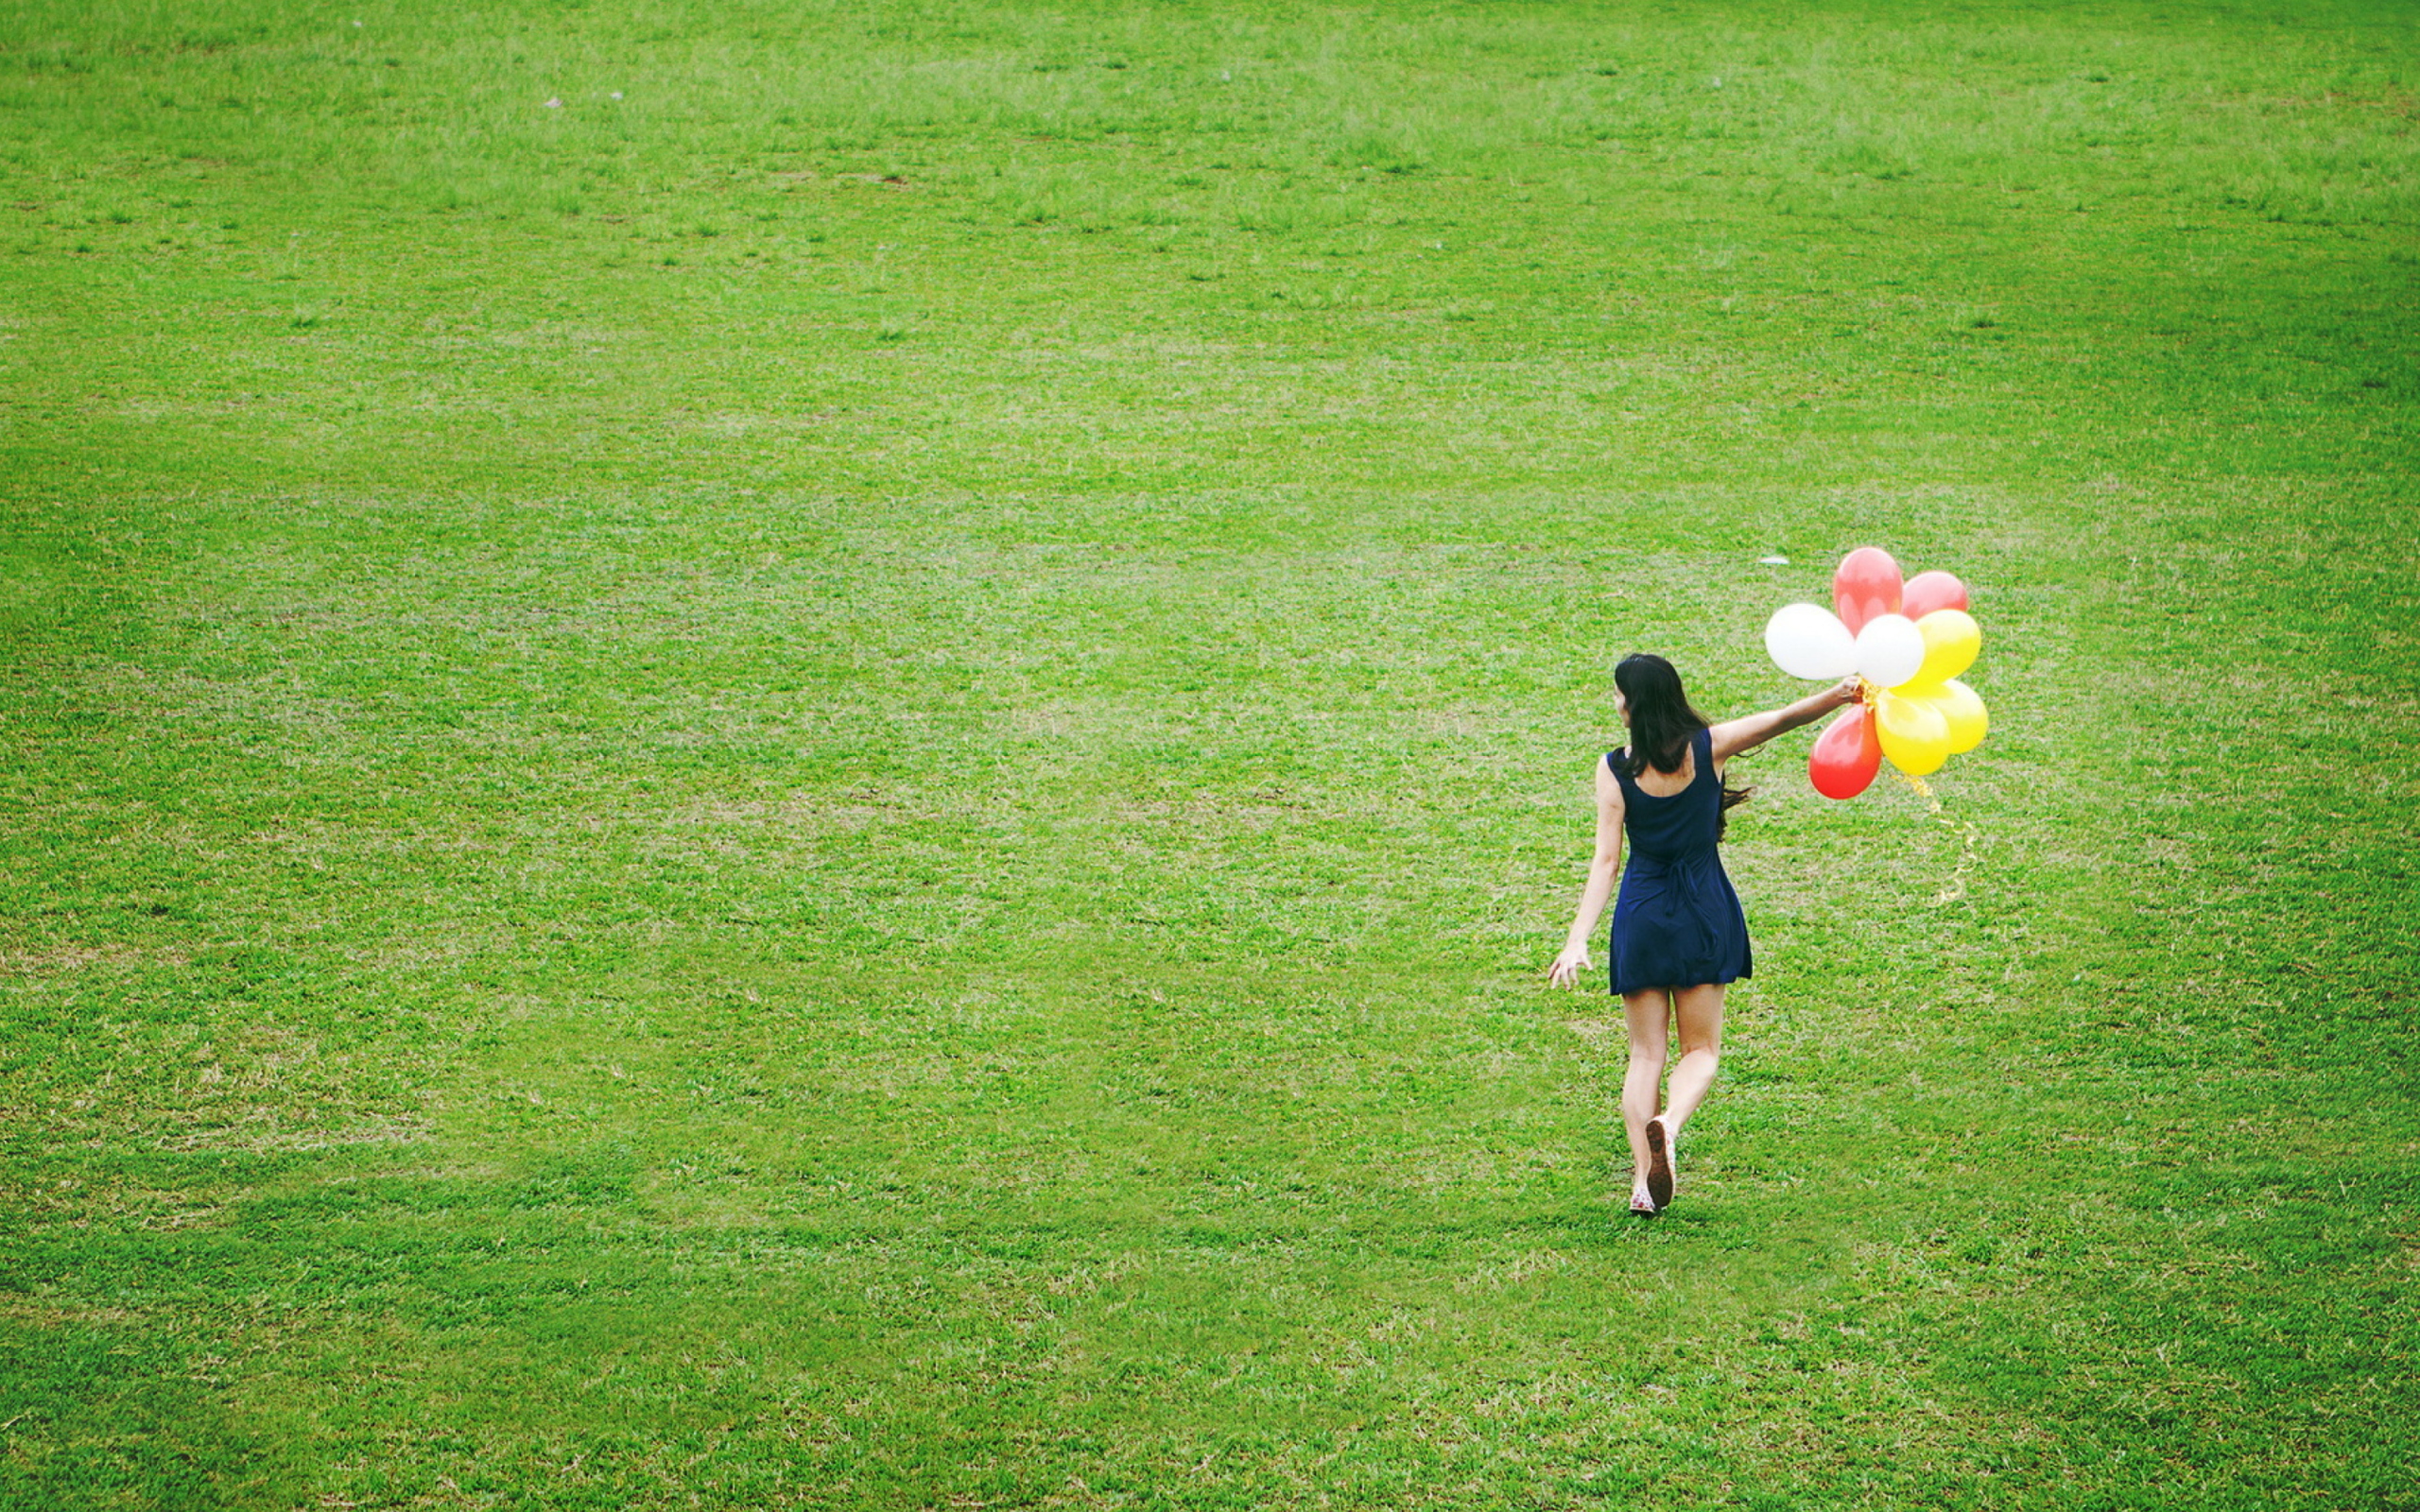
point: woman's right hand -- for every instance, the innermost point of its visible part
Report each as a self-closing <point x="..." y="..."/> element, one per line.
<point x="1568" y="966"/>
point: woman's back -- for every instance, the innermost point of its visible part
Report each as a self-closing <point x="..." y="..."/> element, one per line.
<point x="1683" y="823"/>
<point x="1677" y="922"/>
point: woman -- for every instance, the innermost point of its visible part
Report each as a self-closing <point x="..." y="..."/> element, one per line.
<point x="1678" y="934"/>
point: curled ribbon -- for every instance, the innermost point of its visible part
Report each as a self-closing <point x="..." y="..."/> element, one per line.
<point x="1956" y="887"/>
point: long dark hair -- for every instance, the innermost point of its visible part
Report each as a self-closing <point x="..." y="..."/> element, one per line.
<point x="1662" y="723"/>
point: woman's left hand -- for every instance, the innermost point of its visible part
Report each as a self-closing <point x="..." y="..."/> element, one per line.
<point x="1567" y="967"/>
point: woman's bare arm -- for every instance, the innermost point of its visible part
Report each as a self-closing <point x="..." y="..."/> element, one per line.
<point x="1603" y="872"/>
<point x="1749" y="731"/>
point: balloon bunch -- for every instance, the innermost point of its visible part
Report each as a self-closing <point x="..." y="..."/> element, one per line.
<point x="1908" y="640"/>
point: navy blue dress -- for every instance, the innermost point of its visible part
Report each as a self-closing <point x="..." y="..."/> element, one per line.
<point x="1677" y="922"/>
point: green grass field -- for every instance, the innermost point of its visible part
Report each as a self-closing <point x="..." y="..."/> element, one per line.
<point x="801" y="756"/>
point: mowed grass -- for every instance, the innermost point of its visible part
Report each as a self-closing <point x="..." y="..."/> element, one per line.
<point x="808" y="756"/>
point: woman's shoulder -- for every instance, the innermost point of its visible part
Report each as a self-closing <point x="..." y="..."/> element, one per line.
<point x="1613" y="787"/>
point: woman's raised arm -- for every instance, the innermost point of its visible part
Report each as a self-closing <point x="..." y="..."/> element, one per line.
<point x="1749" y="731"/>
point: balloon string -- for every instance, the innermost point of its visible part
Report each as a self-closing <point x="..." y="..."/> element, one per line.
<point x="1956" y="887"/>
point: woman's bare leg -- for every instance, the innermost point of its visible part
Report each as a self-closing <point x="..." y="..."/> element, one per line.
<point x="1699" y="1011"/>
<point x="1648" y="1015"/>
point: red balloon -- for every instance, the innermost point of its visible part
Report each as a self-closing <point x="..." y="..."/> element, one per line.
<point x="1867" y="584"/>
<point x="1927" y="591"/>
<point x="1847" y="754"/>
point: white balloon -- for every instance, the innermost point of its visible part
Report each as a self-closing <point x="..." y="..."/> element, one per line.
<point x="1889" y="649"/>
<point x="1809" y="640"/>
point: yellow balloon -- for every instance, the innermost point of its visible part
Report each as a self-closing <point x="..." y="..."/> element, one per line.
<point x="1952" y="640"/>
<point x="1915" y="735"/>
<point x="1964" y="712"/>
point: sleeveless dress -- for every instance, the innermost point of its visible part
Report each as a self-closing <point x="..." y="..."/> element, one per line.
<point x="1677" y="922"/>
